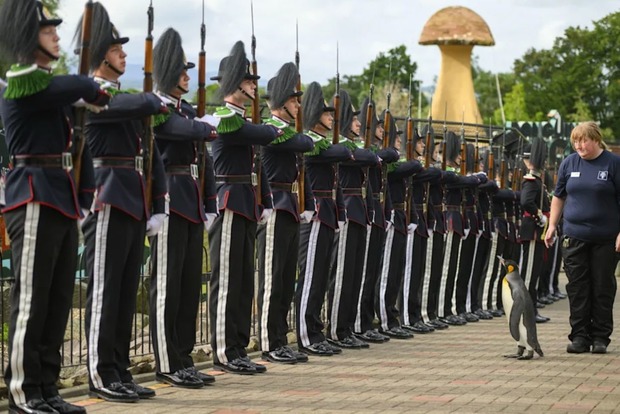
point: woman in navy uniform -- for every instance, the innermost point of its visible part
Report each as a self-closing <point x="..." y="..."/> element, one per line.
<point x="42" y="202"/>
<point x="278" y="238"/>
<point x="177" y="246"/>
<point x="375" y="233"/>
<point x="233" y="234"/>
<point x="114" y="231"/>
<point x="317" y="237"/>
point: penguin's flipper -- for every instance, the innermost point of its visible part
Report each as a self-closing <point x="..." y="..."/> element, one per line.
<point x="529" y="355"/>
<point x="519" y="353"/>
<point x="515" y="319"/>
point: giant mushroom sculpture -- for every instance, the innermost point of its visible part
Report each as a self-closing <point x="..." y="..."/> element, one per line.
<point x="456" y="30"/>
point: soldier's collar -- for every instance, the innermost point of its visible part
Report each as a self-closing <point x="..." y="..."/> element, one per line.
<point x="174" y="100"/>
<point x="109" y="84"/>
<point x="535" y="173"/>
<point x="235" y="108"/>
<point x="280" y="120"/>
<point x="315" y="136"/>
<point x="44" y="69"/>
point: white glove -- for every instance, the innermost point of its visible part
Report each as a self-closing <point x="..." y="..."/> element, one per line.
<point x="388" y="225"/>
<point x="154" y="224"/>
<point x="306" y="216"/>
<point x="542" y="220"/>
<point x="81" y="221"/>
<point x="411" y="228"/>
<point x="210" y="219"/>
<point x="265" y="215"/>
<point x="92" y="108"/>
<point x="164" y="99"/>
<point x="340" y="226"/>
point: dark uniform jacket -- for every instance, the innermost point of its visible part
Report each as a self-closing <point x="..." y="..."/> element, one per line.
<point x="321" y="173"/>
<point x="375" y="188"/>
<point x="455" y="217"/>
<point x="436" y="217"/>
<point x="233" y="158"/>
<point x="397" y="181"/>
<point x="177" y="138"/>
<point x="530" y="203"/>
<point x="41" y="125"/>
<point x="498" y="210"/>
<point x="486" y="192"/>
<point x="118" y="134"/>
<point x="419" y="185"/>
<point x="352" y="179"/>
<point x="280" y="165"/>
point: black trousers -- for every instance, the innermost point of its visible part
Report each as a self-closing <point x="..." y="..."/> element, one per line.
<point x="391" y="279"/>
<point x="556" y="263"/>
<point x="464" y="273"/>
<point x="232" y="239"/>
<point x="365" y="314"/>
<point x="114" y="251"/>
<point x="415" y="263"/>
<point x="591" y="287"/>
<point x="532" y="264"/>
<point x="433" y="274"/>
<point x="481" y="264"/>
<point x="315" y="248"/>
<point x="346" y="279"/>
<point x="44" y="256"/>
<point x="448" y="276"/>
<point x="277" y="250"/>
<point x="175" y="291"/>
<point x="491" y="272"/>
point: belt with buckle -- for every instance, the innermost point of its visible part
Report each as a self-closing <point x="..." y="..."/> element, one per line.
<point x="453" y="208"/>
<point x="191" y="169"/>
<point x="135" y="163"/>
<point x="398" y="206"/>
<point x="353" y="192"/>
<point x="290" y="187"/>
<point x="64" y="161"/>
<point x="324" y="193"/>
<point x="235" y="179"/>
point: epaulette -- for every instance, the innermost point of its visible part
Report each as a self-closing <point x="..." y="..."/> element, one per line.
<point x="229" y="121"/>
<point x="287" y="131"/>
<point x="223" y="112"/>
<point x="347" y="143"/>
<point x="163" y="118"/>
<point x="455" y="170"/>
<point x="26" y="80"/>
<point x="319" y="146"/>
<point x="529" y="177"/>
<point x="391" y="167"/>
<point x="276" y="123"/>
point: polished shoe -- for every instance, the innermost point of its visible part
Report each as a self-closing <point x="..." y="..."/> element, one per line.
<point x="599" y="347"/>
<point x="63" y="407"/>
<point x="335" y="349"/>
<point x="260" y="369"/>
<point x="143" y="392"/>
<point x="545" y="301"/>
<point x="541" y="319"/>
<point x="358" y="342"/>
<point x="539" y="305"/>
<point x="437" y="324"/>
<point x="453" y="320"/>
<point x="115" y="392"/>
<point x="559" y="295"/>
<point x="552" y="298"/>
<point x="497" y="313"/>
<point x="181" y="378"/>
<point x="34" y="406"/>
<point x="483" y="314"/>
<point x="299" y="356"/>
<point x="345" y="343"/>
<point x="205" y="378"/>
<point x="417" y="327"/>
<point x="397" y="332"/>
<point x="469" y="317"/>
<point x="579" y="345"/>
<point x="370" y="336"/>
<point x="236" y="366"/>
<point x="430" y="328"/>
<point x="281" y="355"/>
<point x="319" y="349"/>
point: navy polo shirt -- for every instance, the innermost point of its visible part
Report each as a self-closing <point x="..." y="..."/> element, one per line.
<point x="591" y="193"/>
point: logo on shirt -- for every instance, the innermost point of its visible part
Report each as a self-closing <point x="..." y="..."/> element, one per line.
<point x="602" y="175"/>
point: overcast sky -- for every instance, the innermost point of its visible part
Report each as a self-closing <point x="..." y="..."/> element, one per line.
<point x="363" y="28"/>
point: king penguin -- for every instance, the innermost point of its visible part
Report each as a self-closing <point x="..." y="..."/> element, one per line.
<point x="520" y="312"/>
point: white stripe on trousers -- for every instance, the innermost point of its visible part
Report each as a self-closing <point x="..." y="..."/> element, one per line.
<point x="489" y="274"/>
<point x="530" y="263"/>
<point x="26" y="276"/>
<point x="444" y="275"/>
<point x="308" y="276"/>
<point x="407" y="278"/>
<point x="385" y="272"/>
<point x="357" y="326"/>
<point x="162" y="292"/>
<point x="101" y="245"/>
<point x="457" y="274"/>
<point x="340" y="255"/>
<point x="426" y="283"/>
<point x="224" y="278"/>
<point x="270" y="229"/>
<point x="471" y="274"/>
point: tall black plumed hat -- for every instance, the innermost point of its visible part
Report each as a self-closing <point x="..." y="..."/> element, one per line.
<point x="539" y="153"/>
<point x="283" y="86"/>
<point x="169" y="60"/>
<point x="20" y="21"/>
<point x="103" y="35"/>
<point x="233" y="69"/>
<point x="472" y="164"/>
<point x="453" y="145"/>
<point x="313" y="105"/>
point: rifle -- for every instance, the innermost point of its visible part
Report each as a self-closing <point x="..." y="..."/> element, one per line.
<point x="80" y="113"/>
<point x="502" y="168"/>
<point x="256" y="113"/>
<point x="387" y="121"/>
<point x="299" y="127"/>
<point x="202" y="70"/>
<point x="476" y="154"/>
<point x="336" y="127"/>
<point x="463" y="145"/>
<point x="491" y="163"/>
<point x="368" y="134"/>
<point x="429" y="139"/>
<point x="148" y="124"/>
<point x="410" y="157"/>
<point x="444" y="159"/>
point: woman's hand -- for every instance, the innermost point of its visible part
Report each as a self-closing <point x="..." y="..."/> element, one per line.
<point x="550" y="236"/>
<point x="618" y="242"/>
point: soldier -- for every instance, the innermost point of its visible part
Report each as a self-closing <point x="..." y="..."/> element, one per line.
<point x="390" y="281"/>
<point x="177" y="246"/>
<point x="42" y="202"/>
<point x="233" y="234"/>
<point x="114" y="231"/>
<point x="347" y="260"/>
<point x="278" y="238"/>
<point x="317" y="237"/>
<point x="375" y="235"/>
<point x="535" y="206"/>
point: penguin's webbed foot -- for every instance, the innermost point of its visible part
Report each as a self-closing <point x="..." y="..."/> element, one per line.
<point x="529" y="355"/>
<point x="520" y="350"/>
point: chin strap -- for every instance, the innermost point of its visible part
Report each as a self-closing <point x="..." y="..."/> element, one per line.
<point x="325" y="126"/>
<point x="245" y="93"/>
<point x="291" y="117"/>
<point x="182" y="89"/>
<point x="47" y="53"/>
<point x="108" y="64"/>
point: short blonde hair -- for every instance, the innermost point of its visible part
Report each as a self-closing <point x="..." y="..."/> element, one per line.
<point x="589" y="130"/>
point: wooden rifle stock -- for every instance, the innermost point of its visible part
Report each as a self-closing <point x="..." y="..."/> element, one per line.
<point x="410" y="157"/>
<point x="202" y="72"/>
<point x="148" y="124"/>
<point x="491" y="164"/>
<point x="336" y="127"/>
<point x="80" y="113"/>
<point x="299" y="127"/>
<point x="367" y="132"/>
<point x="463" y="157"/>
<point x="502" y="174"/>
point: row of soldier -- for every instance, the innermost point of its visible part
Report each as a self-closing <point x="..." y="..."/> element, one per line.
<point x="352" y="234"/>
